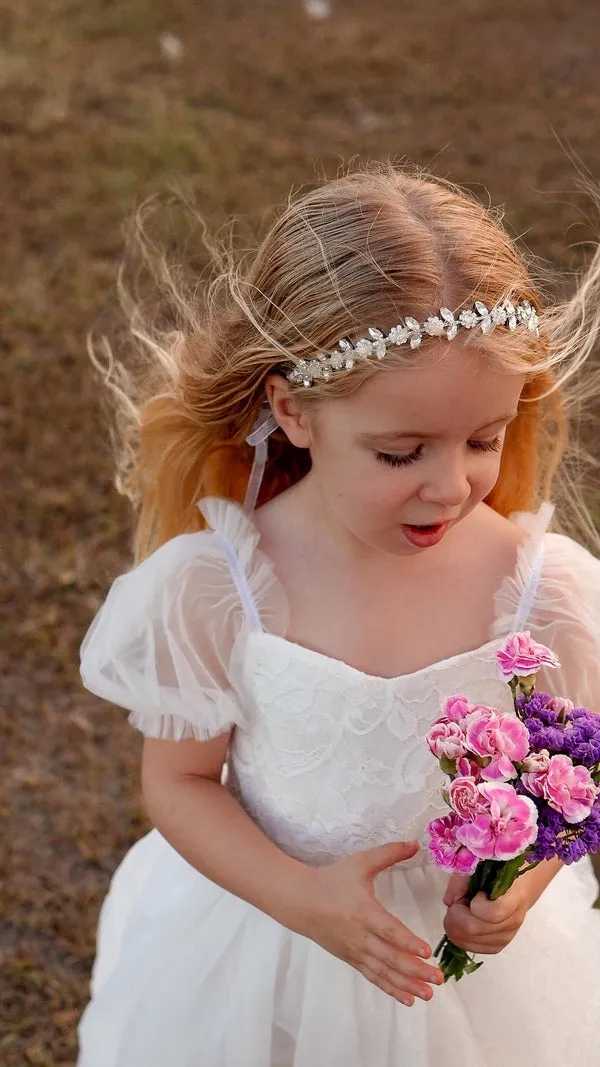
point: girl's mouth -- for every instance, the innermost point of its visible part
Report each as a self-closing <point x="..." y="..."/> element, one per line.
<point x="425" y="536"/>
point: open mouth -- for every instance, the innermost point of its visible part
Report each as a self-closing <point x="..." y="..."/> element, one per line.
<point x="424" y="536"/>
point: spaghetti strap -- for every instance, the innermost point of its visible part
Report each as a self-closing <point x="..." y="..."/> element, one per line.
<point x="528" y="595"/>
<point x="240" y="581"/>
<point x="516" y="598"/>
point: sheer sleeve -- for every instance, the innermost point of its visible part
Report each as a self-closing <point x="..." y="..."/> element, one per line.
<point x="564" y="614"/>
<point x="161" y="644"/>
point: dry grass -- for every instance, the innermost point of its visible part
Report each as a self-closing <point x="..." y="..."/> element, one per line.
<point x="94" y="116"/>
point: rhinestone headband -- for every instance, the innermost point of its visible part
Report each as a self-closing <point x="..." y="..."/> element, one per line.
<point x="346" y="355"/>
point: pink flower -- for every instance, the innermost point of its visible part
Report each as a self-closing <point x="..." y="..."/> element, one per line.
<point x="522" y="656"/>
<point x="446" y="739"/>
<point x="502" y="737"/>
<point x="506" y="829"/>
<point x="467" y="768"/>
<point x="536" y="761"/>
<point x="456" y="709"/>
<point x="568" y="789"/>
<point x="561" y="705"/>
<point x="447" y="851"/>
<point x="465" y="798"/>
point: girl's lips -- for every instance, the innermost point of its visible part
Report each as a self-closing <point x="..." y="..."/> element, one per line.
<point x="425" y="536"/>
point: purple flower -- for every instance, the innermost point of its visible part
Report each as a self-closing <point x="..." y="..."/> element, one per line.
<point x="557" y="838"/>
<point x="578" y="736"/>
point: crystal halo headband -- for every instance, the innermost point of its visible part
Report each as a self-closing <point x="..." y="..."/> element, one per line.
<point x="308" y="371"/>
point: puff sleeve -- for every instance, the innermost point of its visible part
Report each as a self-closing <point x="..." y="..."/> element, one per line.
<point x="161" y="644"/>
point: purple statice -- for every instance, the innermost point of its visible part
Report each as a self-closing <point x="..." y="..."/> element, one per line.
<point x="559" y="838"/>
<point x="578" y="736"/>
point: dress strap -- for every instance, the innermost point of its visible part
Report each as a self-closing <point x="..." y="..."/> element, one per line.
<point x="240" y="582"/>
<point x="533" y="553"/>
<point x="528" y="595"/>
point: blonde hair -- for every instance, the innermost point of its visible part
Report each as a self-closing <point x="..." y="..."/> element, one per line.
<point x="365" y="249"/>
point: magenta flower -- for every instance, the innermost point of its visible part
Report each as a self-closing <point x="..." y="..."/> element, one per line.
<point x="506" y="829"/>
<point x="522" y="656"/>
<point x="465" y="798"/>
<point x="446" y="739"/>
<point x="456" y="709"/>
<point x="467" y="768"/>
<point x="445" y="848"/>
<point x="502" y="737"/>
<point x="568" y="789"/>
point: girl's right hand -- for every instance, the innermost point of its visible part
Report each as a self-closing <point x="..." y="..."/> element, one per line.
<point x="345" y="917"/>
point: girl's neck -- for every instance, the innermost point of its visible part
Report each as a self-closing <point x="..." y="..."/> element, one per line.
<point x="303" y="515"/>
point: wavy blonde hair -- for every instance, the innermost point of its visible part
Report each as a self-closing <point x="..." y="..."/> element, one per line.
<point x="365" y="249"/>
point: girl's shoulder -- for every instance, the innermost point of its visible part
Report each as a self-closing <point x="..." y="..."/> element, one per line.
<point x="161" y="644"/>
<point x="555" y="593"/>
<point x="554" y="568"/>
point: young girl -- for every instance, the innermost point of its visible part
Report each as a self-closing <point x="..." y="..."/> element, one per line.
<point x="385" y="367"/>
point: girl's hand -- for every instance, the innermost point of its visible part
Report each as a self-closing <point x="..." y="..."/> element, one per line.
<point x="485" y="926"/>
<point x="344" y="916"/>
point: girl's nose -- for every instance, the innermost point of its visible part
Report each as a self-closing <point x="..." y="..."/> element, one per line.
<point x="449" y="485"/>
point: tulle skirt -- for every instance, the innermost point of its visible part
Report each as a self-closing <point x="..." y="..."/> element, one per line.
<point x="187" y="975"/>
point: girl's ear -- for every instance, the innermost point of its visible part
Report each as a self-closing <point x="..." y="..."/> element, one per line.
<point x="293" y="419"/>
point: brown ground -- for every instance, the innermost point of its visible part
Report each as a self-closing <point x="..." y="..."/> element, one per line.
<point x="93" y="117"/>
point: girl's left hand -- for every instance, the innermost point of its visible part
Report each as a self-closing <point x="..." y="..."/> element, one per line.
<point x="485" y="926"/>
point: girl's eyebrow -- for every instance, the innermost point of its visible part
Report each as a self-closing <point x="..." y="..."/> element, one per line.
<point x="373" y="438"/>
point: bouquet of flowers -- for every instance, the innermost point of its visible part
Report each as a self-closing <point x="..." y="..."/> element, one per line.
<point x="523" y="788"/>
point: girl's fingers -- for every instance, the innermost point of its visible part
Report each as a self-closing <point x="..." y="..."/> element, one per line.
<point x="398" y="994"/>
<point x="388" y="928"/>
<point x="456" y="889"/>
<point x="402" y="962"/>
<point x="493" y="911"/>
<point x="460" y="917"/>
<point x="401" y="983"/>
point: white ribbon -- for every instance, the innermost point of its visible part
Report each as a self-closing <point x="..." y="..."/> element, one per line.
<point x="258" y="438"/>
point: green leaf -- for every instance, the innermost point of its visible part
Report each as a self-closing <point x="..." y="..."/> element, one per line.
<point x="448" y="765"/>
<point x="505" y="877"/>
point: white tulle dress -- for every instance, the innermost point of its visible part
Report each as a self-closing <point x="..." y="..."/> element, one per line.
<point x="327" y="760"/>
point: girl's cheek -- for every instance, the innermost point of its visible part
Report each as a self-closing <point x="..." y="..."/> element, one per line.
<point x="486" y="480"/>
<point x="388" y="494"/>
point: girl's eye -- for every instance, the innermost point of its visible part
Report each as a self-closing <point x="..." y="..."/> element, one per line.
<point x="392" y="460"/>
<point x="487" y="446"/>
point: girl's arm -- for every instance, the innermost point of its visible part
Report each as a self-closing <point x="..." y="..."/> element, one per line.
<point x="185" y="801"/>
<point x="333" y="905"/>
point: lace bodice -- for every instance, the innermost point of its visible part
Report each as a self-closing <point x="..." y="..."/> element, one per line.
<point x="326" y="759"/>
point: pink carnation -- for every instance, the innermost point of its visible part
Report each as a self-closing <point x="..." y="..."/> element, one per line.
<point x="446" y="739"/>
<point x="535" y="762"/>
<point x="447" y="851"/>
<point x="468" y="768"/>
<point x="568" y="789"/>
<point x="506" y="829"/>
<point x="456" y="709"/>
<point x="502" y="737"/>
<point x="522" y="656"/>
<point x="465" y="798"/>
<point x="560" y="705"/>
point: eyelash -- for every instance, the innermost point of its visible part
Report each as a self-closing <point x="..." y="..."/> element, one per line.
<point x="411" y="457"/>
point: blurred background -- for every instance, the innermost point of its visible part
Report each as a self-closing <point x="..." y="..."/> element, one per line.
<point x="103" y="103"/>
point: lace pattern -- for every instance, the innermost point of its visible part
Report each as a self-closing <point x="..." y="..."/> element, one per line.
<point x="335" y="760"/>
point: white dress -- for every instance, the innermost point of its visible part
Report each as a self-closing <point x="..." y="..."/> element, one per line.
<point x="327" y="760"/>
